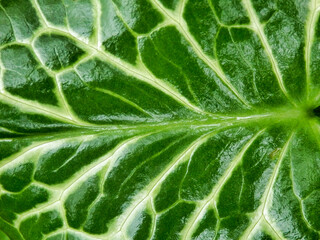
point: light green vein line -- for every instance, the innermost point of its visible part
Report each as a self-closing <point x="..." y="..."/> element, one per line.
<point x="58" y="88"/>
<point x="181" y="26"/>
<point x="180" y="8"/>
<point x="123" y="99"/>
<point x="34" y="147"/>
<point x="140" y="74"/>
<point x="97" y="165"/>
<point x="36" y="107"/>
<point x="40" y="13"/>
<point x="135" y="34"/>
<point x="97" y="34"/>
<point x="186" y="79"/>
<point x="36" y="210"/>
<point x="152" y="186"/>
<point x="67" y="15"/>
<point x="63" y="213"/>
<point x="10" y="230"/>
<point x="5" y="12"/>
<point x="310" y="31"/>
<point x="74" y="154"/>
<point x="106" y="160"/>
<point x="314" y="125"/>
<point x="54" y="112"/>
<point x="119" y="15"/>
<point x="262" y="210"/>
<point x="144" y="162"/>
<point x="154" y="218"/>
<point x="4" y="129"/>
<point x="103" y="173"/>
<point x="259" y="30"/>
<point x="115" y="95"/>
<point x="214" y="194"/>
<point x="298" y="198"/>
<point x="66" y="105"/>
<point x="93" y="168"/>
<point x="271" y="227"/>
<point x="249" y="65"/>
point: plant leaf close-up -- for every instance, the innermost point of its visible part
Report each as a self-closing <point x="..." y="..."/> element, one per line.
<point x="159" y="119"/>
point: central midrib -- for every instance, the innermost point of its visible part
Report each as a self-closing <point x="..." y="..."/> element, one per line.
<point x="287" y="116"/>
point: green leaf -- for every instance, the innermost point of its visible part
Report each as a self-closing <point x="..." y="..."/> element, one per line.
<point x="159" y="119"/>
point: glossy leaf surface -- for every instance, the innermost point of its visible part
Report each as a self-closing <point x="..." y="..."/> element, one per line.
<point x="159" y="119"/>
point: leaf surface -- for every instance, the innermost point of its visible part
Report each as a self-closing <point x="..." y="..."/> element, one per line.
<point x="159" y="119"/>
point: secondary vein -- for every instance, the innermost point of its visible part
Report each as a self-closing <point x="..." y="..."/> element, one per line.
<point x="181" y="26"/>
<point x="310" y="31"/>
<point x="259" y="30"/>
<point x="220" y="184"/>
